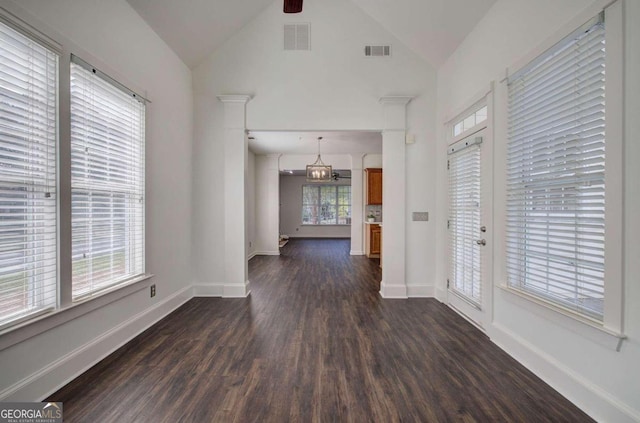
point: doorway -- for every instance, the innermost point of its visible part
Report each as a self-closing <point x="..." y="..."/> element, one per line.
<point x="469" y="167"/>
<point x="325" y="209"/>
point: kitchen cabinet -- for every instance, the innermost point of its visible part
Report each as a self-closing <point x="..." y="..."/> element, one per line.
<point x="373" y="240"/>
<point x="374" y="186"/>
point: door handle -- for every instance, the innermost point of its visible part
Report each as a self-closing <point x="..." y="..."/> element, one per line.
<point x="481" y="241"/>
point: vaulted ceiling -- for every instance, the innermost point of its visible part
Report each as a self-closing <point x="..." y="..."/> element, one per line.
<point x="194" y="29"/>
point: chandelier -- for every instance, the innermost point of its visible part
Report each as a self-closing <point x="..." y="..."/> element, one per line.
<point x="318" y="171"/>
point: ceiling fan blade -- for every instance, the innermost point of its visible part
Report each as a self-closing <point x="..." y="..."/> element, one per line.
<point x="292" y="6"/>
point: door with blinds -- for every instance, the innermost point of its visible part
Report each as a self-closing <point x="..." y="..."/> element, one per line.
<point x="467" y="231"/>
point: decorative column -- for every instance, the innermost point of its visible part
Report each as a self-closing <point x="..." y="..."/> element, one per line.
<point x="236" y="271"/>
<point x="357" y="201"/>
<point x="393" y="284"/>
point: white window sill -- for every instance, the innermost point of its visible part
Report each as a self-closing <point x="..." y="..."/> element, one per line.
<point x="45" y="321"/>
<point x="566" y="318"/>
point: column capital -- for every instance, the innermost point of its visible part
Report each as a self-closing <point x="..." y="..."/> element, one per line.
<point x="234" y="98"/>
<point x="394" y="110"/>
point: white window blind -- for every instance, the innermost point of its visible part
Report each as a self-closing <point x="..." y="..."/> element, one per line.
<point x="556" y="170"/>
<point x="28" y="133"/>
<point x="107" y="181"/>
<point x="464" y="222"/>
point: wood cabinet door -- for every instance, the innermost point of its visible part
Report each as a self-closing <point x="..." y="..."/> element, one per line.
<point x="374" y="186"/>
<point x="375" y="239"/>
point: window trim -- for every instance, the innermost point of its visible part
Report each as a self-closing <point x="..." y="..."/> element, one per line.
<point x="113" y="83"/>
<point x="612" y="327"/>
<point x="30" y="33"/>
<point x="66" y="309"/>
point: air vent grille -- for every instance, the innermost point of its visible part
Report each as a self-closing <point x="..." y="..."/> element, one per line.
<point x="377" y="51"/>
<point x="297" y="36"/>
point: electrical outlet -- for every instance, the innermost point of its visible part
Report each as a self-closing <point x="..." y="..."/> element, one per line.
<point x="153" y="290"/>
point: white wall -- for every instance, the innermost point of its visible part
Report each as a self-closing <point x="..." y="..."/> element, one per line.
<point x="267" y="205"/>
<point x="291" y="211"/>
<point x="589" y="372"/>
<point x="331" y="87"/>
<point x="372" y="160"/>
<point x="113" y="34"/>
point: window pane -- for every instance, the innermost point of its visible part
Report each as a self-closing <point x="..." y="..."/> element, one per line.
<point x="107" y="183"/>
<point x="328" y="195"/>
<point x="457" y="129"/>
<point x="327" y="214"/>
<point x="469" y="122"/>
<point x="310" y="194"/>
<point x="481" y="115"/>
<point x="344" y="215"/>
<point x="310" y="215"/>
<point x="28" y="135"/>
<point x="344" y="195"/>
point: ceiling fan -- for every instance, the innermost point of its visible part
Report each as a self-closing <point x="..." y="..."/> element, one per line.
<point x="292" y="6"/>
<point x="336" y="176"/>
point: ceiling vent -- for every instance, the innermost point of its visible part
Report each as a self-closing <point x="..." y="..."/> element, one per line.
<point x="297" y="36"/>
<point x="377" y="51"/>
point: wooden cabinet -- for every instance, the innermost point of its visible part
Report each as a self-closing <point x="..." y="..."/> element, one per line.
<point x="373" y="240"/>
<point x="374" y="186"/>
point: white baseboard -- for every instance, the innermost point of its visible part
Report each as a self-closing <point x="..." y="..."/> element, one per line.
<point x="267" y="253"/>
<point x="252" y="255"/>
<point x="393" y="291"/>
<point x="236" y="290"/>
<point x="55" y="375"/>
<point x="208" y="290"/>
<point x="420" y="291"/>
<point x="356" y="253"/>
<point x="222" y="290"/>
<point x="590" y="398"/>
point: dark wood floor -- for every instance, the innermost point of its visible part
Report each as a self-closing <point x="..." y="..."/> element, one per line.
<point x="313" y="343"/>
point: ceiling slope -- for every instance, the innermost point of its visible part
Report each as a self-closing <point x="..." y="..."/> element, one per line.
<point x="431" y="28"/>
<point x="194" y="29"/>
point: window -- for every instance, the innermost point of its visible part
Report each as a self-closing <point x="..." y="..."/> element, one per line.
<point x="28" y="134"/>
<point x="556" y="174"/>
<point x="469" y="121"/>
<point x="107" y="181"/>
<point x="326" y="205"/>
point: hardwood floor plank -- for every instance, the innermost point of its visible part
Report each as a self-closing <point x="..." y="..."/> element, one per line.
<point x="313" y="343"/>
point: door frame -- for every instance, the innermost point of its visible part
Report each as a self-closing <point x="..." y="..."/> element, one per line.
<point x="481" y="318"/>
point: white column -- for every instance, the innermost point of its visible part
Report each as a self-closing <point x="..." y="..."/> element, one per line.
<point x="393" y="283"/>
<point x="357" y="205"/>
<point x="267" y="204"/>
<point x="236" y="283"/>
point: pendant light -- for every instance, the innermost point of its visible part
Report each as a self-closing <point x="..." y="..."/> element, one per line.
<point x="292" y="6"/>
<point x="318" y="171"/>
